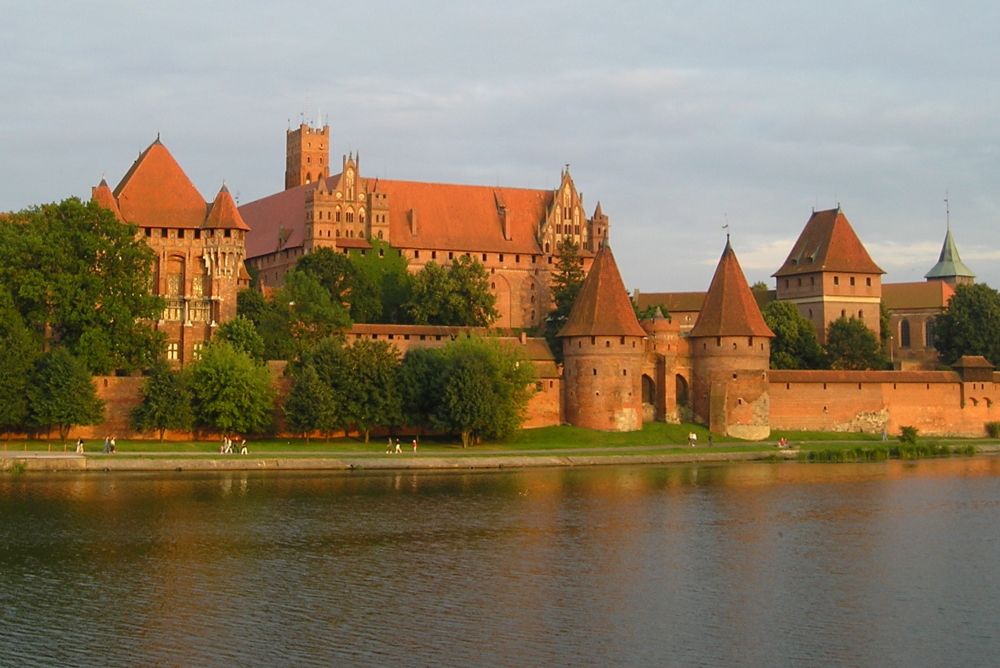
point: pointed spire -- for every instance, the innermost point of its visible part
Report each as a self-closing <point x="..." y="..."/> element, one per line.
<point x="224" y="213"/>
<point x="603" y="307"/>
<point x="729" y="308"/>
<point x="102" y="195"/>
<point x="828" y="243"/>
<point x="949" y="264"/>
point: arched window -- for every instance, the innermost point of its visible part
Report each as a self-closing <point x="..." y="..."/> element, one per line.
<point x="904" y="334"/>
<point x="648" y="389"/>
<point x="929" y="334"/>
<point x="681" y="389"/>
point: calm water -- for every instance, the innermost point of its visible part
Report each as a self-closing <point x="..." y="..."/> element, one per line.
<point x="886" y="564"/>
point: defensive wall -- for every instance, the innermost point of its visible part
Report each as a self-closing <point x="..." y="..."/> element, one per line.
<point x="937" y="403"/>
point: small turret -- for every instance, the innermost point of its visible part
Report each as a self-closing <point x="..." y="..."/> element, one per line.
<point x="102" y="195"/>
<point x="950" y="268"/>
<point x="731" y="348"/>
<point x="603" y="351"/>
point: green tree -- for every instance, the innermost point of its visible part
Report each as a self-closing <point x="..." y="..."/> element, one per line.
<point x="308" y="309"/>
<point x="166" y="402"/>
<point x="850" y="345"/>
<point x="484" y="390"/>
<point x="311" y="406"/>
<point x="252" y="305"/>
<point x="61" y="393"/>
<point x="20" y="348"/>
<point x="80" y="277"/>
<point x="459" y="296"/>
<point x="794" y="345"/>
<point x="333" y="270"/>
<point x="759" y="286"/>
<point x="232" y="392"/>
<point x="242" y="334"/>
<point x="566" y="284"/>
<point x="385" y="284"/>
<point x="420" y="385"/>
<point x="970" y="324"/>
<point x="371" y="393"/>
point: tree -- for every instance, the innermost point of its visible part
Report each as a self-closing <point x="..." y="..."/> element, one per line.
<point x="242" y="334"/>
<point x="566" y="284"/>
<point x="385" y="284"/>
<point x="308" y="309"/>
<point x="311" y="405"/>
<point x="20" y="348"/>
<point x="459" y="296"/>
<point x="371" y="393"/>
<point x="61" y="393"/>
<point x="759" y="286"/>
<point x="80" y="277"/>
<point x="852" y="346"/>
<point x="333" y="270"/>
<point x="970" y="324"/>
<point x="794" y="345"/>
<point x="166" y="402"/>
<point x="419" y="385"/>
<point x="649" y="312"/>
<point x="484" y="390"/>
<point x="232" y="392"/>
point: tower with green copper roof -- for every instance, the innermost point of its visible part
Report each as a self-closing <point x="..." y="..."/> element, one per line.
<point x="949" y="267"/>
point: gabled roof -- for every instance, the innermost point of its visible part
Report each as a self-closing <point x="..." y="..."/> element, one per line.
<point x="155" y="192"/>
<point x="828" y="243"/>
<point x="923" y="295"/>
<point x="603" y="308"/>
<point x="448" y="216"/>
<point x="949" y="264"/>
<point x="730" y="308"/>
<point x="224" y="213"/>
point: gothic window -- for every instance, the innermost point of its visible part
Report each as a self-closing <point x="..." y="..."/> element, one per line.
<point x="836" y="280"/>
<point x="199" y="285"/>
<point x="337" y="216"/>
<point x="173" y="351"/>
<point x="929" y="334"/>
<point x="904" y="334"/>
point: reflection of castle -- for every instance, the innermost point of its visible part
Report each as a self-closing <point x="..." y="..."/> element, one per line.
<point x="513" y="232"/>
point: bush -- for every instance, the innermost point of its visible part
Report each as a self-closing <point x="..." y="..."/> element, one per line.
<point x="993" y="429"/>
<point x="908" y="435"/>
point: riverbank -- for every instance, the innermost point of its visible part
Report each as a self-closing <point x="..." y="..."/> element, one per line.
<point x="19" y="462"/>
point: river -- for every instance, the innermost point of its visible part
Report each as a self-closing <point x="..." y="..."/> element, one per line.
<point x="771" y="564"/>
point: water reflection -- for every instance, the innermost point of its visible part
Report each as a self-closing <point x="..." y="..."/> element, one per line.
<point x="754" y="564"/>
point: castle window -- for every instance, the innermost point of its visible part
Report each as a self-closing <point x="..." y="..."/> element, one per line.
<point x="624" y="372"/>
<point x="532" y="287"/>
<point x="196" y="350"/>
<point x="595" y="372"/>
<point x="163" y="233"/>
<point x="380" y="236"/>
<point x="517" y="258"/>
<point x="451" y="255"/>
<point x="788" y="386"/>
<point x="532" y="299"/>
<point x="500" y="257"/>
<point x="824" y="387"/>
<point x="532" y="316"/>
<point x="800" y="282"/>
<point x="852" y="281"/>
<point x="593" y="340"/>
<point x="576" y="230"/>
<point x="734" y="376"/>
<point x="621" y="342"/>
<point x="484" y="257"/>
<point x="336" y="232"/>
<point x="868" y="282"/>
<point x="718" y="341"/>
<point x="381" y="251"/>
<point x="558" y="228"/>
<point x="861" y="315"/>
<point x="493" y="286"/>
<point x="392" y="336"/>
<point x="810" y="313"/>
<point x="532" y="259"/>
<point x="173" y="351"/>
<point x="547" y="250"/>
<point x="843" y="313"/>
<point x="904" y="334"/>
<point x="750" y="341"/>
<point x="434" y="255"/>
<point x="149" y="232"/>
<point x="607" y="344"/>
<point x="180" y="234"/>
<point x="229" y="233"/>
<point x="550" y="259"/>
<point x="734" y="345"/>
<point x="552" y="383"/>
<point x="786" y="282"/>
<point x="812" y="280"/>
<point x="929" y="334"/>
<point x="337" y="215"/>
<point x="416" y="255"/>
<point x="836" y="280"/>
<point x="197" y="234"/>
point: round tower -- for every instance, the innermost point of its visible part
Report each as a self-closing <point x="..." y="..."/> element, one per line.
<point x="603" y="352"/>
<point x="731" y="349"/>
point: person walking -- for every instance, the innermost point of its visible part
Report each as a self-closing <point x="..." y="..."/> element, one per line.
<point x="398" y="450"/>
<point x="414" y="446"/>
<point x="107" y="445"/>
<point x="79" y="446"/>
<point x="388" y="448"/>
<point x="243" y="447"/>
<point x="113" y="439"/>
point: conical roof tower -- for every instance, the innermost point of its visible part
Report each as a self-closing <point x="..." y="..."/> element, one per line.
<point x="949" y="267"/>
<point x="603" y="307"/>
<point x="729" y="308"/>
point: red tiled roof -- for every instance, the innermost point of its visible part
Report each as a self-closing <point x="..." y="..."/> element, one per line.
<point x="448" y="217"/>
<point x="224" y="213"/>
<point x="972" y="362"/>
<point x="686" y="302"/>
<point x="828" y="243"/>
<point x="102" y="195"/>
<point x="603" y="307"/>
<point x="730" y="308"/>
<point x="799" y="376"/>
<point x="155" y="192"/>
<point x="923" y="295"/>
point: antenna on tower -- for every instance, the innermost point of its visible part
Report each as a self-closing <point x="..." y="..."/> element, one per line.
<point x="947" y="210"/>
<point x="726" y="226"/>
<point x="308" y="117"/>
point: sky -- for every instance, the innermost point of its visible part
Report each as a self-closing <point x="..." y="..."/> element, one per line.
<point x="679" y="117"/>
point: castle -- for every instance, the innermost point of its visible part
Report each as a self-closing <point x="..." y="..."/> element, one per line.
<point x="708" y="362"/>
<point x="513" y="232"/>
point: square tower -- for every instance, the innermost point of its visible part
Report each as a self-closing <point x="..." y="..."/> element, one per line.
<point x="307" y="155"/>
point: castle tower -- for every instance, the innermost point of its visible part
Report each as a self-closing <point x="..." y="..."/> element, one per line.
<point x="659" y="396"/>
<point x="731" y="348"/>
<point x="307" y="155"/>
<point x="603" y="351"/>
<point x="829" y="274"/>
<point x="950" y="268"/>
<point x="598" y="229"/>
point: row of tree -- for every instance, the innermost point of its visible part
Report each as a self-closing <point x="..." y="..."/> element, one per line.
<point x="473" y="387"/>
<point x="328" y="291"/>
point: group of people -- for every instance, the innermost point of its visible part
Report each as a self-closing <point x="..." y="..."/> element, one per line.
<point x="693" y="439"/>
<point x="398" y="450"/>
<point x="109" y="445"/>
<point x="228" y="444"/>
